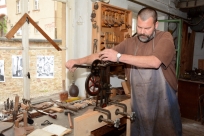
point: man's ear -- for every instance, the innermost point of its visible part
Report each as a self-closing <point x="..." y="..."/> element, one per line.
<point x="156" y="24"/>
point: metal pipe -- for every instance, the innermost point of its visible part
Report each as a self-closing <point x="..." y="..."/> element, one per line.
<point x="106" y="112"/>
<point x="178" y="44"/>
<point x="140" y="3"/>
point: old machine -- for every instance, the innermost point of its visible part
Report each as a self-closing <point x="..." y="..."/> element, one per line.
<point x="98" y="81"/>
<point x="98" y="84"/>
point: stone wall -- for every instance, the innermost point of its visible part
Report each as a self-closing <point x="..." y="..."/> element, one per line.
<point x="38" y="86"/>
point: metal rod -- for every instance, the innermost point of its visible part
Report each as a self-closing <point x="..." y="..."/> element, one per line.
<point x="179" y="49"/>
<point x="178" y="44"/>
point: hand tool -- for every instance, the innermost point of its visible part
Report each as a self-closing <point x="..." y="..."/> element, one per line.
<point x="68" y="112"/>
<point x="54" y="116"/>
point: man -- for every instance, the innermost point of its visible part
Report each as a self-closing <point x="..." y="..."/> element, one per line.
<point x="151" y="55"/>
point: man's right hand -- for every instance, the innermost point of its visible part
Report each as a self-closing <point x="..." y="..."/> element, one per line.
<point x="70" y="63"/>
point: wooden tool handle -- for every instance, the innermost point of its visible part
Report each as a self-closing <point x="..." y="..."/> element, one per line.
<point x="70" y="121"/>
<point x="16" y="102"/>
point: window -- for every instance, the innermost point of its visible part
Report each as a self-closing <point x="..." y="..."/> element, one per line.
<point x="134" y="23"/>
<point x="35" y="30"/>
<point x="36" y="4"/>
<point x="19" y="32"/>
<point x="18" y="8"/>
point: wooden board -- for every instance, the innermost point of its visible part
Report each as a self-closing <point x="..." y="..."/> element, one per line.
<point x="187" y="49"/>
<point x="126" y="87"/>
<point x="85" y="124"/>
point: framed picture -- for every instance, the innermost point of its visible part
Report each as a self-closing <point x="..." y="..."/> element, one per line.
<point x="17" y="66"/>
<point x="45" y="66"/>
<point x="2" y="77"/>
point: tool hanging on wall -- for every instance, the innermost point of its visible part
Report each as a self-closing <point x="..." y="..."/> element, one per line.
<point x="95" y="46"/>
<point x="96" y="5"/>
<point x="111" y="19"/>
<point x="93" y="15"/>
<point x="95" y="26"/>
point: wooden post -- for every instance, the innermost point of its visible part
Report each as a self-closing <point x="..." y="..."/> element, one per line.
<point x="25" y="55"/>
<point x="64" y="45"/>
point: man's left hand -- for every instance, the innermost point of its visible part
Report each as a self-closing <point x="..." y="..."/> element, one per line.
<point x="108" y="55"/>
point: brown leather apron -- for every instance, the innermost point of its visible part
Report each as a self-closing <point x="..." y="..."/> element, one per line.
<point x="155" y="104"/>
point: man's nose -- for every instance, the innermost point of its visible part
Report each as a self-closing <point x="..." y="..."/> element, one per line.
<point x="142" y="31"/>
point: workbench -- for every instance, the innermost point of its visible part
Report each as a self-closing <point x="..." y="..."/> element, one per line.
<point x="62" y="119"/>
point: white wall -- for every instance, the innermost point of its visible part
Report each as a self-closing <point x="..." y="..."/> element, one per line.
<point x="198" y="52"/>
<point x="79" y="36"/>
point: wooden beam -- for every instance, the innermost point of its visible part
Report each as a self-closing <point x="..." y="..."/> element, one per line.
<point x="11" y="33"/>
<point x="190" y="4"/>
<point x="44" y="34"/>
<point x="27" y="18"/>
<point x="85" y="124"/>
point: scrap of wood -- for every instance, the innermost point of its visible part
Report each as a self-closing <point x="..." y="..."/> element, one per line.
<point x="27" y="18"/>
<point x="43" y="105"/>
<point x="56" y="109"/>
<point x="90" y="119"/>
<point x="126" y="87"/>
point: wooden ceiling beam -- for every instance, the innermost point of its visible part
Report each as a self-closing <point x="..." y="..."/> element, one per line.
<point x="190" y="4"/>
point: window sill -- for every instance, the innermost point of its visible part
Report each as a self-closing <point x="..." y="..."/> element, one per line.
<point x="36" y="9"/>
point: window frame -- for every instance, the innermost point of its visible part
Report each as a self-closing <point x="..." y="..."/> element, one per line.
<point x="36" y="4"/>
<point x="18" y="7"/>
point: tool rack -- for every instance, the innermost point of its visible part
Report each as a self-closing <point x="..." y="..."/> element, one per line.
<point x="111" y="25"/>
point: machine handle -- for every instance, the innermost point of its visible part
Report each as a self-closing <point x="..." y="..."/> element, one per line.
<point x="81" y="66"/>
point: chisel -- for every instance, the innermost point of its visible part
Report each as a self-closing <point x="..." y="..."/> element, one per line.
<point x="54" y="116"/>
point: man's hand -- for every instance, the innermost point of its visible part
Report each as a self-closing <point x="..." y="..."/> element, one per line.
<point x="108" y="55"/>
<point x="70" y="63"/>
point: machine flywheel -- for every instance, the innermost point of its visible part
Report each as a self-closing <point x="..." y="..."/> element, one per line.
<point x="92" y="84"/>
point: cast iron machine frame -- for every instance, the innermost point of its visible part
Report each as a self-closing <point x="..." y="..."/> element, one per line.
<point x="98" y="81"/>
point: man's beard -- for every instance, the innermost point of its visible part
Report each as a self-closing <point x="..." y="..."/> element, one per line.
<point x="146" y="38"/>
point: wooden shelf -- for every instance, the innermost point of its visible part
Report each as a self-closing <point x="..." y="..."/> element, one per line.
<point x="111" y="25"/>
